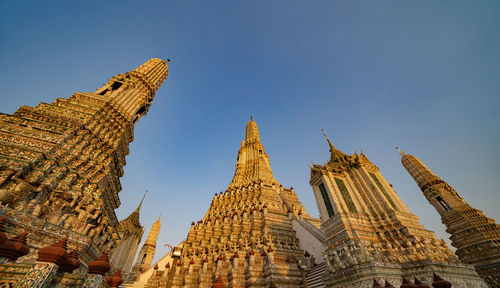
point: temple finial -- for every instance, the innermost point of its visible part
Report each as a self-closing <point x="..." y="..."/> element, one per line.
<point x="142" y="200"/>
<point x="402" y="153"/>
<point x="252" y="131"/>
<point x="332" y="148"/>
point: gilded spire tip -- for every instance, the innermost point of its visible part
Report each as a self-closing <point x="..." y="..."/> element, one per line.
<point x="332" y="148"/>
<point x="142" y="200"/>
<point x="402" y="153"/>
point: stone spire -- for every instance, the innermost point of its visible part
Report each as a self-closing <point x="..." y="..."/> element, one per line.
<point x="132" y="93"/>
<point x="473" y="234"/>
<point x="253" y="163"/>
<point x="358" y="205"/>
<point x="252" y="216"/>
<point x="77" y="147"/>
<point x="252" y="131"/>
<point x="147" y="252"/>
<point x="133" y="218"/>
<point x="332" y="148"/>
<point x="418" y="171"/>
<point x="153" y="234"/>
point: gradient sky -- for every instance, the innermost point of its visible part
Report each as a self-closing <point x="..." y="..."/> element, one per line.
<point x="422" y="75"/>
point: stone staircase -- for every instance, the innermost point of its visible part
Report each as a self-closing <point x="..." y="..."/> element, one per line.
<point x="313" y="277"/>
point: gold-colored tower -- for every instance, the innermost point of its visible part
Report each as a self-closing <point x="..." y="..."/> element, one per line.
<point x="147" y="252"/>
<point x="246" y="237"/>
<point x="476" y="237"/>
<point x="60" y="163"/>
<point x="370" y="233"/>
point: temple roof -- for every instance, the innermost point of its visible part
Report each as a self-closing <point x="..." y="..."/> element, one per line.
<point x="339" y="161"/>
<point x="133" y="218"/>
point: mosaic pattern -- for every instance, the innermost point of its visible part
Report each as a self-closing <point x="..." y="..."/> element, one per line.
<point x="39" y="276"/>
<point x="11" y="274"/>
<point x="346" y="196"/>
<point x="381" y="187"/>
<point x="93" y="281"/>
<point x="326" y="199"/>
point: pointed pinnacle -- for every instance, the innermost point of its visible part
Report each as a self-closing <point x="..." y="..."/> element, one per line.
<point x="402" y="153"/>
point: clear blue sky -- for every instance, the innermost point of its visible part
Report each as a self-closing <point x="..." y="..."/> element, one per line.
<point x="424" y="75"/>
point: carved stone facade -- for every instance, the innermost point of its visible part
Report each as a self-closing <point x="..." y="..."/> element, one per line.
<point x="370" y="233"/>
<point x="246" y="238"/>
<point x="476" y="237"/>
<point x="60" y="163"/>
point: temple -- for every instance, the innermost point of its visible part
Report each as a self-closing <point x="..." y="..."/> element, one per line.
<point x="253" y="234"/>
<point x="370" y="233"/>
<point x="475" y="236"/>
<point x="61" y="163"/>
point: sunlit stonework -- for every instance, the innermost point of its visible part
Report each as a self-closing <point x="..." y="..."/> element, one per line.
<point x="476" y="237"/>
<point x="248" y="236"/>
<point x="60" y="163"/>
<point x="130" y="231"/>
<point x="371" y="234"/>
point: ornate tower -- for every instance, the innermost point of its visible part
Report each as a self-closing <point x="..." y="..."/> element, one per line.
<point x="130" y="231"/>
<point x="369" y="231"/>
<point x="246" y="237"/>
<point x="147" y="252"/>
<point x="476" y="237"/>
<point x="60" y="163"/>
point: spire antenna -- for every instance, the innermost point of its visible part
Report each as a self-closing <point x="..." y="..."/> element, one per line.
<point x="400" y="151"/>
<point x="332" y="148"/>
<point x="142" y="200"/>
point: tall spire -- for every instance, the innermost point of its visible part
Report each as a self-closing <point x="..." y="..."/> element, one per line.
<point x="133" y="218"/>
<point x="132" y="93"/>
<point x="401" y="152"/>
<point x="147" y="252"/>
<point x="418" y="171"/>
<point x="252" y="131"/>
<point x="253" y="162"/>
<point x="332" y="148"/>
<point x="472" y="233"/>
<point x="142" y="200"/>
<point x="334" y="152"/>
<point x="153" y="234"/>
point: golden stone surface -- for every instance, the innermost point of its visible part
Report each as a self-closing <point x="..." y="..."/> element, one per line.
<point x="60" y="163"/>
<point x="475" y="236"/>
<point x="246" y="237"/>
<point x="370" y="233"/>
